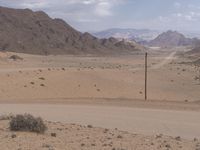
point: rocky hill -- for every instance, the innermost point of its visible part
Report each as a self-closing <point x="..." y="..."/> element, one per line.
<point x="172" y="39"/>
<point x="25" y="31"/>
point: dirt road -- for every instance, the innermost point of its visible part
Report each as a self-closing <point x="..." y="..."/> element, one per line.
<point x="143" y="121"/>
<point x="165" y="61"/>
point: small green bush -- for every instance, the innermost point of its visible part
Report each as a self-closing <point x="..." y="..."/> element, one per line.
<point x="27" y="122"/>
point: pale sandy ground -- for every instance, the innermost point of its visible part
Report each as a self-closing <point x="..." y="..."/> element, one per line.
<point x="135" y="120"/>
<point x="76" y="137"/>
<point x="54" y="77"/>
<point x="105" y="92"/>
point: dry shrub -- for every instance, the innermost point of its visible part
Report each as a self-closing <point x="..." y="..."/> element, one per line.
<point x="27" y="122"/>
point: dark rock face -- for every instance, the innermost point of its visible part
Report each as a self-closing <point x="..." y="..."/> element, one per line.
<point x="25" y="31"/>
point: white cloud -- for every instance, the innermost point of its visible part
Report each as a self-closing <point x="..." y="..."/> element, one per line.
<point x="179" y="14"/>
<point x="98" y="8"/>
<point x="87" y="20"/>
<point x="98" y="14"/>
<point x="103" y="8"/>
<point x="34" y="5"/>
<point x="88" y="2"/>
<point x="177" y="5"/>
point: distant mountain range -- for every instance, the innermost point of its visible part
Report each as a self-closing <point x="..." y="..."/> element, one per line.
<point x="172" y="39"/>
<point x="150" y="37"/>
<point x="129" y="34"/>
<point x="25" y="31"/>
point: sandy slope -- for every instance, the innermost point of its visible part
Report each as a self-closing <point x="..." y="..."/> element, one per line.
<point x="75" y="137"/>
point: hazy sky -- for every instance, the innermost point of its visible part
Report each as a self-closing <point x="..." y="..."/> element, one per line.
<point x="91" y="15"/>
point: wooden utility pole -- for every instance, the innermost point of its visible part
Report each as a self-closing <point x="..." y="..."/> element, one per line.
<point x="146" y="76"/>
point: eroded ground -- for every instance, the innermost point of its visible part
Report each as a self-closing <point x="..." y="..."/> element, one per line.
<point x="74" y="137"/>
<point x="57" y="77"/>
<point x="107" y="81"/>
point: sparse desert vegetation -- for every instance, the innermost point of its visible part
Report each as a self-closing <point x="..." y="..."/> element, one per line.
<point x="15" y="57"/>
<point x="27" y="122"/>
<point x="74" y="136"/>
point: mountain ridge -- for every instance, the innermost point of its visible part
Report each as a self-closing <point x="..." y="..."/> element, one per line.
<point x="128" y="34"/>
<point x="172" y="39"/>
<point x="26" y="31"/>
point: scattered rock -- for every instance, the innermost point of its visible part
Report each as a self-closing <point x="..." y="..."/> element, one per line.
<point x="60" y="129"/>
<point x="105" y="130"/>
<point x="198" y="145"/>
<point x="42" y="85"/>
<point x="53" y="134"/>
<point x="168" y="146"/>
<point x="90" y="126"/>
<point x="104" y="145"/>
<point x="119" y="137"/>
<point x="159" y="136"/>
<point x="178" y="138"/>
<point x="48" y="146"/>
<point x="32" y="83"/>
<point x="183" y="70"/>
<point x="98" y="90"/>
<point x="41" y="78"/>
<point x="13" y="136"/>
<point x="15" y="57"/>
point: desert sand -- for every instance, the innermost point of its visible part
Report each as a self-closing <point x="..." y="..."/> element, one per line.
<point x="145" y="121"/>
<point x="105" y="92"/>
<point x="72" y="136"/>
<point x="62" y="77"/>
